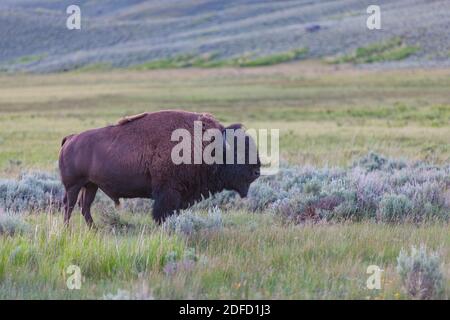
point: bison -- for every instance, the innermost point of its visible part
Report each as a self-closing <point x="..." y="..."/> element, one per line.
<point x="132" y="159"/>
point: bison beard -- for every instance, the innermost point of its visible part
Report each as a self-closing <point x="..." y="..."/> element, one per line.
<point x="133" y="160"/>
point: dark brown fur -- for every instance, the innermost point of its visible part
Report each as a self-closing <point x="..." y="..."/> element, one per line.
<point x="133" y="160"/>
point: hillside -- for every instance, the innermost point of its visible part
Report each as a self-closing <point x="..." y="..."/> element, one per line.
<point x="118" y="33"/>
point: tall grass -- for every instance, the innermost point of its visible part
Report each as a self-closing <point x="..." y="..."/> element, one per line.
<point x="46" y="251"/>
<point x="252" y="256"/>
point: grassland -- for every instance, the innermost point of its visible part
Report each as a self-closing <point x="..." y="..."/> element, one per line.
<point x="327" y="114"/>
<point x="253" y="257"/>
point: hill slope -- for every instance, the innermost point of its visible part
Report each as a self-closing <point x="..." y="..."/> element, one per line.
<point x="34" y="37"/>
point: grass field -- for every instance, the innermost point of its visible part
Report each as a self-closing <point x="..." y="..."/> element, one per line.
<point x="327" y="115"/>
<point x="252" y="257"/>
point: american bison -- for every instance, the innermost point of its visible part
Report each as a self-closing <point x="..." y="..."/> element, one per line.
<point x="132" y="159"/>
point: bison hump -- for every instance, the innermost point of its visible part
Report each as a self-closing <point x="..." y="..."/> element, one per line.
<point x="209" y="121"/>
<point x="127" y="119"/>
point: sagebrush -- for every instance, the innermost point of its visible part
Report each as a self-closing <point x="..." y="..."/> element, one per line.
<point x="420" y="273"/>
<point x="374" y="188"/>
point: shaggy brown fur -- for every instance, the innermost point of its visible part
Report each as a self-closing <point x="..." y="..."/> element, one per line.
<point x="133" y="160"/>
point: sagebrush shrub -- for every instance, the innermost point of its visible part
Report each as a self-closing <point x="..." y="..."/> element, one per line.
<point x="313" y="187"/>
<point x="347" y="209"/>
<point x="357" y="193"/>
<point x="32" y="191"/>
<point x="12" y="225"/>
<point x="185" y="264"/>
<point x="261" y="195"/>
<point x="189" y="223"/>
<point x="224" y="200"/>
<point x="140" y="291"/>
<point x="394" y="208"/>
<point x="374" y="161"/>
<point x="421" y="273"/>
<point x="374" y="186"/>
<point x="113" y="220"/>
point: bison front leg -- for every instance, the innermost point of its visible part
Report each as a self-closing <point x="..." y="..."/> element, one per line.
<point x="166" y="202"/>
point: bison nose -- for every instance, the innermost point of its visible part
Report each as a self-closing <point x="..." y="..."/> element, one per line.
<point x="256" y="173"/>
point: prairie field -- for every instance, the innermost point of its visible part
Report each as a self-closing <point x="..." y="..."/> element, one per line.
<point x="326" y="116"/>
<point x="329" y="116"/>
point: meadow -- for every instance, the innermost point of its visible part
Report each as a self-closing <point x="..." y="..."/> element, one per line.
<point x="329" y="117"/>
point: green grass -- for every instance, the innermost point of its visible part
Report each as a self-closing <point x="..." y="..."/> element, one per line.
<point x="22" y="60"/>
<point x="326" y="117"/>
<point x="274" y="59"/>
<point x="276" y="261"/>
<point x="392" y="50"/>
<point x="180" y="61"/>
<point x="28" y="59"/>
<point x="95" y="67"/>
<point x="212" y="61"/>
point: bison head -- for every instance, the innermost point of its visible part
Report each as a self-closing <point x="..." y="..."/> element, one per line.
<point x="241" y="160"/>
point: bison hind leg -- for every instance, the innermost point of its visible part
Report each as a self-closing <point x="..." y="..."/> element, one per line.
<point x="71" y="199"/>
<point x="89" y="192"/>
<point x="167" y="202"/>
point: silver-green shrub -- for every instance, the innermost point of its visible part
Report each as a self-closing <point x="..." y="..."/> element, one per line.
<point x="224" y="200"/>
<point x="139" y="291"/>
<point x="374" y="161"/>
<point x="30" y="192"/>
<point x="395" y="208"/>
<point x="420" y="273"/>
<point x="189" y="222"/>
<point x="12" y="225"/>
<point x="374" y="187"/>
<point x="176" y="264"/>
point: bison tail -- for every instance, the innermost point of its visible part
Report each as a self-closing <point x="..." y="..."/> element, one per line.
<point x="81" y="197"/>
